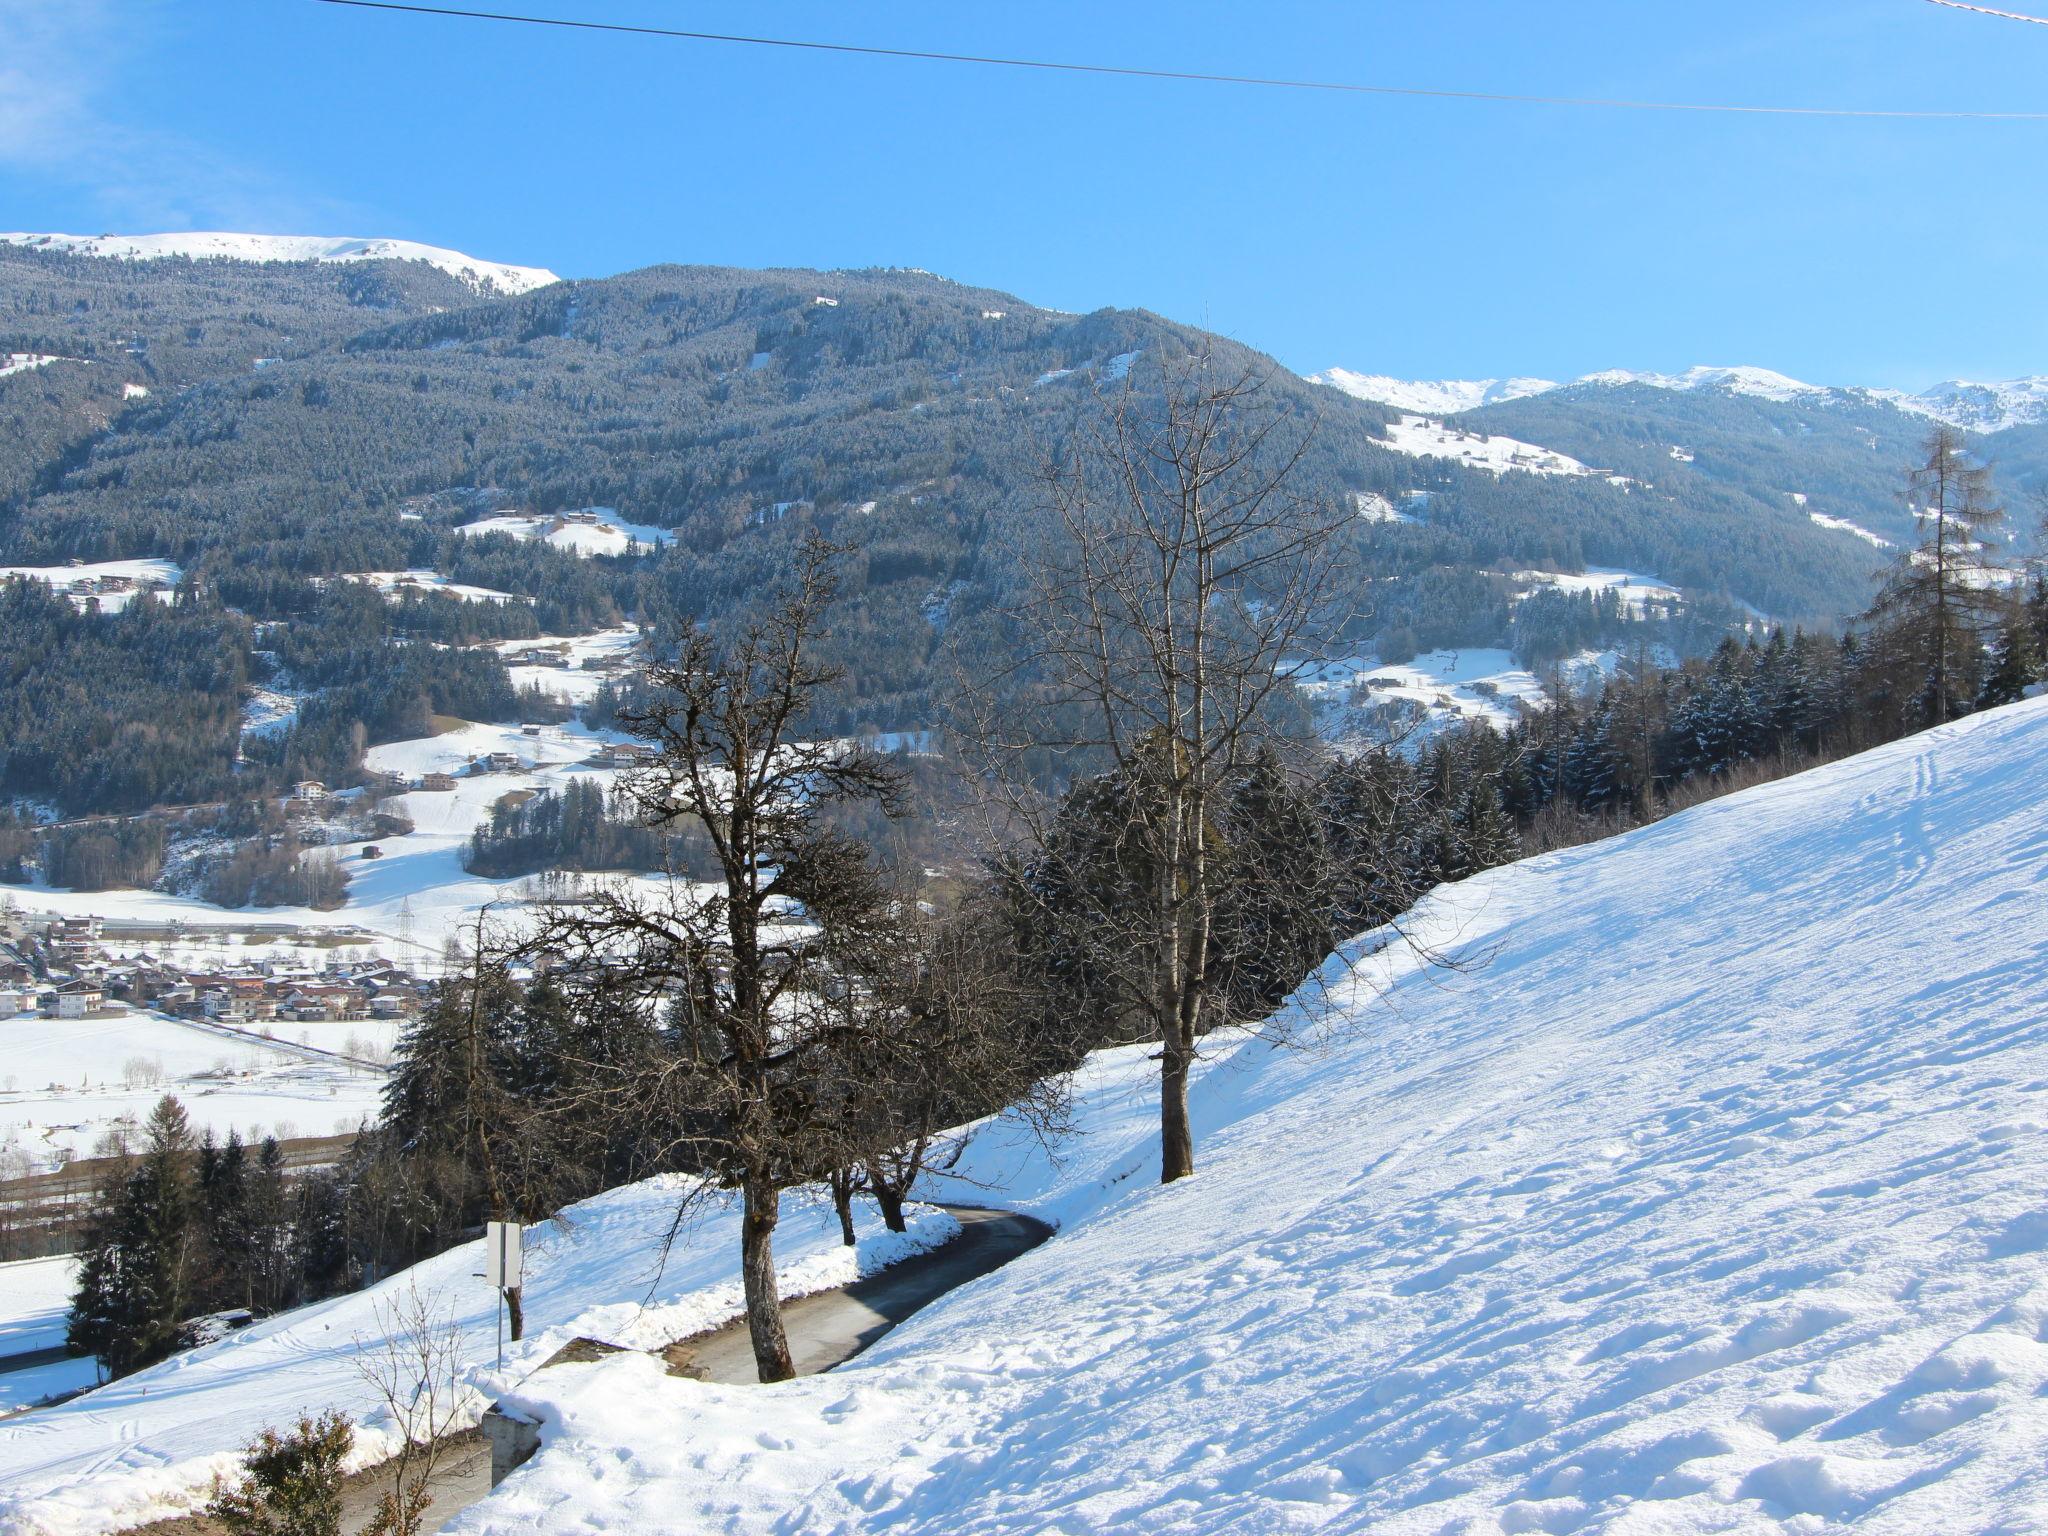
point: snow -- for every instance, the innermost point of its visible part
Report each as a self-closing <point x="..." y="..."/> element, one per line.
<point x="1426" y="438"/>
<point x="134" y="391"/>
<point x="77" y="580"/>
<point x="35" y="1304"/>
<point x="147" y="1446"/>
<point x="35" y="1301"/>
<point x="1637" y="591"/>
<point x="1978" y="407"/>
<point x="420" y="579"/>
<point x="266" y="711"/>
<point x="1843" y="525"/>
<point x="1701" y="1195"/>
<point x="22" y="362"/>
<point x="1438" y="684"/>
<point x="1760" y="382"/>
<point x="408" y="903"/>
<point x="487" y="277"/>
<point x="1375" y="508"/>
<point x="1429" y="397"/>
<point x="65" y="1083"/>
<point x="570" y="676"/>
<point x="1973" y="406"/>
<point x="585" y="531"/>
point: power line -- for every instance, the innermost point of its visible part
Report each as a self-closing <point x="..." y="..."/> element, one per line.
<point x="1059" y="66"/>
<point x="1985" y="10"/>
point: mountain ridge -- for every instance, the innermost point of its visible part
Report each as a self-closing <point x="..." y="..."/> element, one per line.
<point x="484" y="277"/>
<point x="1985" y="407"/>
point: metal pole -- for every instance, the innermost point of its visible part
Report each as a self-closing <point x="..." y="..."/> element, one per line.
<point x="501" y="1330"/>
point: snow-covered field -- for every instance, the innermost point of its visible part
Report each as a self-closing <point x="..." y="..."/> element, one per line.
<point x="1424" y="437"/>
<point x="1443" y="687"/>
<point x="79" y="580"/>
<point x="484" y="276"/>
<point x="408" y="903"/>
<point x="65" y="1082"/>
<point x="568" y="675"/>
<point x="35" y="1303"/>
<point x="148" y="1445"/>
<point x="24" y="362"/>
<point x="1637" y="591"/>
<point x="423" y="580"/>
<point x="586" y="531"/>
<point x="1704" y="1196"/>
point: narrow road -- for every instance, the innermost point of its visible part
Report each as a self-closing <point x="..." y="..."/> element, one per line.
<point x="834" y="1326"/>
<point x="824" y="1329"/>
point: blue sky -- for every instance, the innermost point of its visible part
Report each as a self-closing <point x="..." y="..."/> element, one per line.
<point x="1415" y="237"/>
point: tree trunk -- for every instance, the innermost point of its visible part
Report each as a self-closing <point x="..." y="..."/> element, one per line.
<point x="757" y="1270"/>
<point x="1176" y="1136"/>
<point x="515" y="1313"/>
<point x="842" y="1202"/>
<point x="890" y="1199"/>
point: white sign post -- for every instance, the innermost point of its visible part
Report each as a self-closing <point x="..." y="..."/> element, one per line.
<point x="504" y="1264"/>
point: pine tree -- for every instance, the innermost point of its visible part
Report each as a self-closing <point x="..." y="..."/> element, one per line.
<point x="2015" y="661"/>
<point x="1935" y="599"/>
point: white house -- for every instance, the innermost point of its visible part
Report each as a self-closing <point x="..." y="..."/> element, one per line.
<point x="76" y="1000"/>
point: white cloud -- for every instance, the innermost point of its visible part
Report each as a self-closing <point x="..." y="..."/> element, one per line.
<point x="62" y="63"/>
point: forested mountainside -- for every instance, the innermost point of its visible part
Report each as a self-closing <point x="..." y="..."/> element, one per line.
<point x="1824" y="453"/>
<point x="305" y="422"/>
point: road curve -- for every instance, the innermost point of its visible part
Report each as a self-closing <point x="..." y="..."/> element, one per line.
<point x="833" y="1326"/>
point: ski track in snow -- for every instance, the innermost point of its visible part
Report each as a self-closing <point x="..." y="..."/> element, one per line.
<point x="1705" y="1197"/>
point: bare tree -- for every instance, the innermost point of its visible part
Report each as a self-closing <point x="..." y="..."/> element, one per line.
<point x="1935" y="598"/>
<point x="942" y="1034"/>
<point x="414" y="1366"/>
<point x="1184" y="583"/>
<point x="748" y="1086"/>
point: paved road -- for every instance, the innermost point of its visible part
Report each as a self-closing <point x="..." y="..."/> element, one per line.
<point x="834" y="1326"/>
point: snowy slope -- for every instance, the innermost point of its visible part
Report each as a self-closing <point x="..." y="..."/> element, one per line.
<point x="585" y="531"/>
<point x="484" y="276"/>
<point x="1424" y="438"/>
<point x="1706" y="1196"/>
<point x="1979" y="407"/>
<point x="148" y="1445"/>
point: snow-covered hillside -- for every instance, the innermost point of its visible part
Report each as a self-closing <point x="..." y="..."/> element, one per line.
<point x="1427" y="439"/>
<point x="1703" y="1195"/>
<point x="147" y="1446"/>
<point x="484" y="276"/>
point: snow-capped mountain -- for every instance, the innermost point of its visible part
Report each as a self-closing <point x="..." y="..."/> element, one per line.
<point x="1452" y="395"/>
<point x="1760" y="382"/>
<point x="488" y="277"/>
<point x="1974" y="407"/>
<point x="1978" y="407"/>
<point x="1430" y="397"/>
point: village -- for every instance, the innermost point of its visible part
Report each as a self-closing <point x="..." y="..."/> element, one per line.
<point x="65" y="967"/>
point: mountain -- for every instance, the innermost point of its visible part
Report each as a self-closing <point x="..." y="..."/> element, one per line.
<point x="1432" y="397"/>
<point x="485" y="277"/>
<point x="1701" y="1194"/>
<point x="1749" y="436"/>
<point x="1983" y="407"/>
<point x="1980" y="408"/>
<point x="269" y="427"/>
